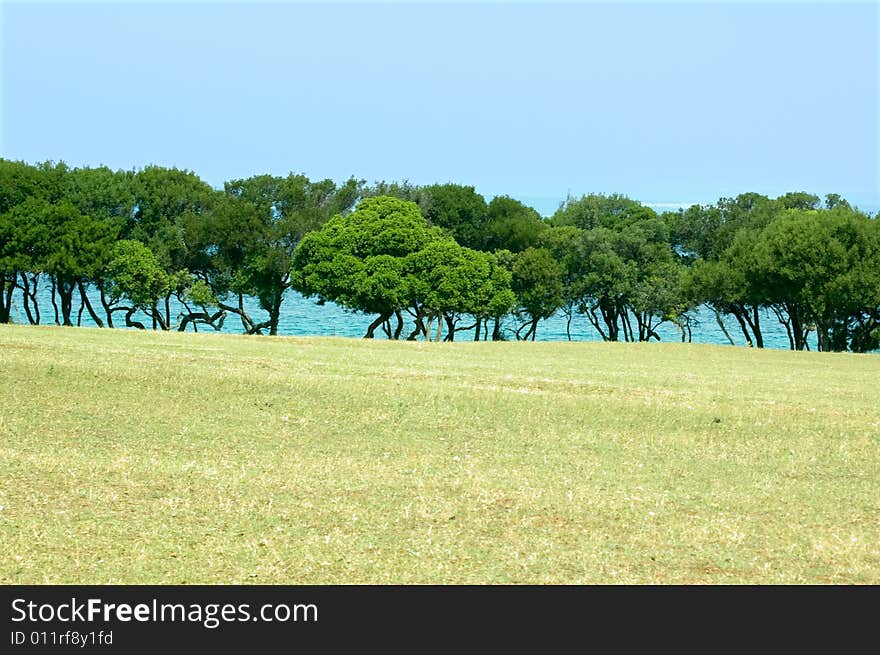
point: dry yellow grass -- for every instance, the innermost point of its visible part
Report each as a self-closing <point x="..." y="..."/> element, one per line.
<point x="130" y="457"/>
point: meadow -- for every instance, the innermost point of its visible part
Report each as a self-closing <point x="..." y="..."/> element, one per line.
<point x="132" y="457"/>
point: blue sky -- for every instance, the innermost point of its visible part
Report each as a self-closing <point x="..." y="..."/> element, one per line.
<point x="665" y="102"/>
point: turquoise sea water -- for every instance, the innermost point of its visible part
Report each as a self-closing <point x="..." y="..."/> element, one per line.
<point x="303" y="317"/>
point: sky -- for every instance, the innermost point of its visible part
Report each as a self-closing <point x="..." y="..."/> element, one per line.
<point x="668" y="103"/>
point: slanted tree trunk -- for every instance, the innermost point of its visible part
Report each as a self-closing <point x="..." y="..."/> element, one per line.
<point x="722" y="326"/>
<point x="107" y="309"/>
<point x="532" y="325"/>
<point x="786" y="323"/>
<point x="596" y="323"/>
<point x="744" y="328"/>
<point x="247" y="323"/>
<point x="371" y="329"/>
<point x="754" y="322"/>
<point x="214" y="320"/>
<point x="627" y="326"/>
<point x="88" y="305"/>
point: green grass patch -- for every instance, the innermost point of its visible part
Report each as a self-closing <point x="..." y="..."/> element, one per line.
<point x="130" y="457"/>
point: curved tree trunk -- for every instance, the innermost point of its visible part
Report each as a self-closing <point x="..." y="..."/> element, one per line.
<point x="399" y="327"/>
<point x="107" y="309"/>
<point x="131" y="323"/>
<point x="375" y="324"/>
<point x="88" y="305"/>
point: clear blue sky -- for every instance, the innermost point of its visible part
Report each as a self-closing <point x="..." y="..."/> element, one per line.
<point x="665" y="102"/>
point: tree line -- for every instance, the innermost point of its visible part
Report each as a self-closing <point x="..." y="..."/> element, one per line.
<point x="428" y="262"/>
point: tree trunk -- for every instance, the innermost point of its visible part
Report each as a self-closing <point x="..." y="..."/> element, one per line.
<point x="756" y="328"/>
<point x="399" y="327"/>
<point x="496" y="329"/>
<point x="418" y="319"/>
<point x="215" y="320"/>
<point x="375" y="324"/>
<point x="786" y="324"/>
<point x="131" y="323"/>
<point x="627" y="326"/>
<point x="65" y="291"/>
<point x="742" y="326"/>
<point x="107" y="309"/>
<point x="609" y="315"/>
<point x="797" y="328"/>
<point x="275" y="313"/>
<point x="477" y="329"/>
<point x="450" y="327"/>
<point x="721" y="325"/>
<point x="88" y="305"/>
<point x="594" y="321"/>
<point x="753" y="321"/>
<point x="6" y="288"/>
<point x="158" y="319"/>
<point x="247" y="323"/>
<point x="32" y="316"/>
<point x="643" y="328"/>
<point x="52" y="298"/>
<point x="823" y="337"/>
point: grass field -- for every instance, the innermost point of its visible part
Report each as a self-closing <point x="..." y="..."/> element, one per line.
<point x="130" y="457"/>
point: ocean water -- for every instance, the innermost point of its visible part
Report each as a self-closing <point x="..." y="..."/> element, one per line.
<point x="304" y="317"/>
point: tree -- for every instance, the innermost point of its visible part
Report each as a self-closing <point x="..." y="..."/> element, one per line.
<point x="448" y="281"/>
<point x="798" y="200"/>
<point x="21" y="183"/>
<point x="723" y="236"/>
<point x="404" y="190"/>
<point x="165" y="201"/>
<point x="287" y="209"/>
<point x="358" y="260"/>
<point x="136" y="274"/>
<point x="537" y="283"/>
<point x="460" y="210"/>
<point x="107" y="198"/>
<point x="511" y="225"/>
<point x="613" y="212"/>
<point x="656" y="295"/>
<point x="822" y="269"/>
<point x="566" y="245"/>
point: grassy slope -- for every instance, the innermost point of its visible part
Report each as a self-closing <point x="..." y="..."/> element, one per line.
<point x="164" y="458"/>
